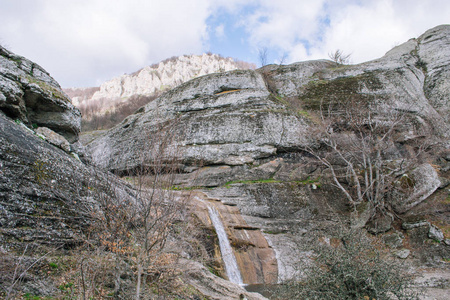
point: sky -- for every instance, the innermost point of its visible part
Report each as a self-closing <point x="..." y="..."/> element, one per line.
<point x="83" y="43"/>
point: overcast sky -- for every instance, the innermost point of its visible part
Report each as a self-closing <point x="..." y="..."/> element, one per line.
<point x="85" y="42"/>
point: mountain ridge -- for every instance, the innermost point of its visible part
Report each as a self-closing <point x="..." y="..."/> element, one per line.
<point x="140" y="87"/>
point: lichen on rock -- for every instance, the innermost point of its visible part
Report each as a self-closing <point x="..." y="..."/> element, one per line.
<point x="28" y="93"/>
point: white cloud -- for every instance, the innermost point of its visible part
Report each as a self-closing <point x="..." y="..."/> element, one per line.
<point x="311" y="29"/>
<point x="220" y="31"/>
<point x="85" y="42"/>
<point x="283" y="23"/>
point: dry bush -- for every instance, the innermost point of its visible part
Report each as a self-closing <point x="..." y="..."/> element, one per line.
<point x="263" y="56"/>
<point x="339" y="57"/>
<point x="354" y="269"/>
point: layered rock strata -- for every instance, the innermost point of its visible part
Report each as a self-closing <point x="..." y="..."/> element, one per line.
<point x="243" y="135"/>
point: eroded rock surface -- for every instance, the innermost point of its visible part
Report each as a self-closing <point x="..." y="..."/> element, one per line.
<point x="227" y="118"/>
<point x="29" y="94"/>
<point x="45" y="192"/>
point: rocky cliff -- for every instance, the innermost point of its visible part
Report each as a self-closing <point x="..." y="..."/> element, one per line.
<point x="247" y="138"/>
<point x="54" y="205"/>
<point x="256" y="146"/>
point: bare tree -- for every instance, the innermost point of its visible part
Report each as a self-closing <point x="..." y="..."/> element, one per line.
<point x="339" y="57"/>
<point x="135" y="227"/>
<point x="262" y="55"/>
<point x="355" y="145"/>
<point x="283" y="58"/>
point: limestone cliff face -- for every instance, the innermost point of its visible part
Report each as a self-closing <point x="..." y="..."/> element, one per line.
<point x="152" y="80"/>
<point x="165" y="75"/>
<point x="241" y="134"/>
<point x="28" y="93"/>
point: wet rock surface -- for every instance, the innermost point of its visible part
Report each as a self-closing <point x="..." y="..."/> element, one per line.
<point x="255" y="257"/>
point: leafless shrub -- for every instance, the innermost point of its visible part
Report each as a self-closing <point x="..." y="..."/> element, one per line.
<point x="339" y="57"/>
<point x="353" y="267"/>
<point x="262" y="56"/>
<point x="283" y="58"/>
<point x="135" y="230"/>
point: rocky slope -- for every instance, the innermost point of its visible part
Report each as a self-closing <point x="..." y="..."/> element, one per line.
<point x="242" y="137"/>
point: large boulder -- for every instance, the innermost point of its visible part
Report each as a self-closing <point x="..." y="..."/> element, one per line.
<point x="29" y="94"/>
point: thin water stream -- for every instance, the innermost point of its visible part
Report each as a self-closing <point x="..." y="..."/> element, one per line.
<point x="229" y="260"/>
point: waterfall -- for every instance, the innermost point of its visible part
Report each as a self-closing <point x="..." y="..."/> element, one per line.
<point x="231" y="266"/>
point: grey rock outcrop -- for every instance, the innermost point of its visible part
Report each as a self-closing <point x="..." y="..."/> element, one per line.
<point x="425" y="180"/>
<point x="227" y="118"/>
<point x="435" y="62"/>
<point x="241" y="134"/>
<point x="435" y="234"/>
<point x="28" y="93"/>
<point x="45" y="193"/>
<point x="53" y="138"/>
<point x="402" y="253"/>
